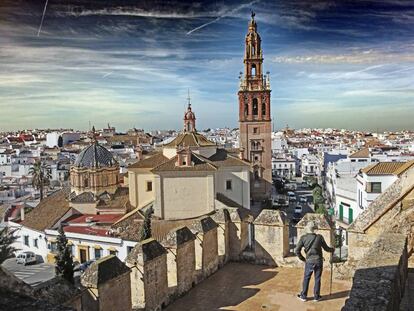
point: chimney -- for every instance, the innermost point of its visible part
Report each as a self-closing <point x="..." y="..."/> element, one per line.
<point x="22" y="213"/>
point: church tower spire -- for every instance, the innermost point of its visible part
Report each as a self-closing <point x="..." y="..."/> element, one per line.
<point x="254" y="114"/>
<point x="189" y="117"/>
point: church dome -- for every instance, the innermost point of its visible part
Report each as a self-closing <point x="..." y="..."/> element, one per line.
<point x="95" y="156"/>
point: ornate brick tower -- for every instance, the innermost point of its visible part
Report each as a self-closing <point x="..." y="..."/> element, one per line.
<point x="254" y="116"/>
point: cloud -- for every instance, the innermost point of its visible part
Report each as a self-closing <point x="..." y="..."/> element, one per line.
<point x="229" y="13"/>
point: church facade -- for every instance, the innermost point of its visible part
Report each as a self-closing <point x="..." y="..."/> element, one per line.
<point x="190" y="177"/>
<point x="254" y="116"/>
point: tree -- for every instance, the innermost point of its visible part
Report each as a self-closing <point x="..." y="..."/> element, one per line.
<point x="64" y="261"/>
<point x="41" y="176"/>
<point x="146" y="226"/>
<point x="321" y="209"/>
<point x="7" y="238"/>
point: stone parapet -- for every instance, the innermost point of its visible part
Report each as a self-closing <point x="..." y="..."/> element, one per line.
<point x="380" y="276"/>
<point x="149" y="281"/>
<point x="180" y="261"/>
<point x="108" y="283"/>
<point x="271" y="232"/>
<point x="206" y="248"/>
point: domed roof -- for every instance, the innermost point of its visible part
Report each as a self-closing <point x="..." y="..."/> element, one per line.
<point x="95" y="156"/>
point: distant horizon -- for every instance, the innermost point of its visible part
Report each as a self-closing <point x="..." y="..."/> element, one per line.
<point x="122" y="131"/>
<point x="332" y="64"/>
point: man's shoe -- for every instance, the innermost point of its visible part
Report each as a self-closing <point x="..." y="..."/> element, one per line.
<point x="318" y="298"/>
<point x="300" y="297"/>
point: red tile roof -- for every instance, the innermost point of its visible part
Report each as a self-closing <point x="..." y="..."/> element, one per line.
<point x="105" y="218"/>
<point x="85" y="230"/>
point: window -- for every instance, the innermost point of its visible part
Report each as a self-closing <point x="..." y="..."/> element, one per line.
<point x="253" y="67"/>
<point x="98" y="253"/>
<point x="246" y="109"/>
<point x="373" y="187"/>
<point x="85" y="182"/>
<point x="35" y="243"/>
<point x="26" y="240"/>
<point x="149" y="184"/>
<point x="53" y="247"/>
<point x="255" y="130"/>
<point x="255" y="107"/>
<point x="228" y="185"/>
<point x="113" y="252"/>
<point x="129" y="249"/>
<point x="264" y="109"/>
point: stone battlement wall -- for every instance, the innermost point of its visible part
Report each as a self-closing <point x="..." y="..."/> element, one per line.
<point x="380" y="276"/>
<point x="158" y="272"/>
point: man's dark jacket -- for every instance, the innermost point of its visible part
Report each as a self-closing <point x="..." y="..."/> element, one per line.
<point x="313" y="244"/>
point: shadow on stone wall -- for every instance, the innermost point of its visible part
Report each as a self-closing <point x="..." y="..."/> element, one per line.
<point x="380" y="277"/>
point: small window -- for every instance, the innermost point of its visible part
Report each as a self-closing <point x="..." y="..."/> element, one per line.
<point x="113" y="252"/>
<point x="149" y="185"/>
<point x="228" y="185"/>
<point x="255" y="130"/>
<point x="98" y="253"/>
<point x="184" y="162"/>
<point x="26" y="240"/>
<point x="374" y="187"/>
<point x="35" y="243"/>
<point x="129" y="249"/>
<point x="53" y="247"/>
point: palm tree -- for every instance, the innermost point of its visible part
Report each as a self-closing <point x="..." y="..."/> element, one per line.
<point x="41" y="176"/>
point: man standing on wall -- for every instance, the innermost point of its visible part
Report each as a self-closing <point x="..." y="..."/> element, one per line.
<point x="313" y="244"/>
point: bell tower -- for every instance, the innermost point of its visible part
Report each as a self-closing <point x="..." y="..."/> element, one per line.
<point x="254" y="115"/>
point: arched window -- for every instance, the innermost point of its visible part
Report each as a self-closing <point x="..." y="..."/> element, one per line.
<point x="253" y="70"/>
<point x="253" y="50"/>
<point x="264" y="109"/>
<point x="86" y="182"/>
<point x="255" y="107"/>
<point x="246" y="109"/>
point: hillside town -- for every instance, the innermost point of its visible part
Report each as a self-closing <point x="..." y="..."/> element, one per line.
<point x="104" y="219"/>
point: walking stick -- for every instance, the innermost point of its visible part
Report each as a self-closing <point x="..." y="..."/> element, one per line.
<point x="330" y="285"/>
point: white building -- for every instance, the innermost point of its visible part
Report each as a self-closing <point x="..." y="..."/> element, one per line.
<point x="279" y="142"/>
<point x="310" y="166"/>
<point x="56" y="139"/>
<point x="284" y="166"/>
<point x="376" y="178"/>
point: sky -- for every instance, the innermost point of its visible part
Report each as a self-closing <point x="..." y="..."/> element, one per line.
<point x="341" y="64"/>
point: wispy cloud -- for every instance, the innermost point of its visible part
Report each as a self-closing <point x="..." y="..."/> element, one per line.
<point x="229" y="13"/>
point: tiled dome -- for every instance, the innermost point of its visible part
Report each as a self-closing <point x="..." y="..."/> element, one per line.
<point x="95" y="156"/>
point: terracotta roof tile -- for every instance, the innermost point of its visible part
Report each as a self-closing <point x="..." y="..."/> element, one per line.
<point x="199" y="164"/>
<point x="150" y="162"/>
<point x="192" y="139"/>
<point x="49" y="211"/>
<point x="388" y="168"/>
<point x="363" y="153"/>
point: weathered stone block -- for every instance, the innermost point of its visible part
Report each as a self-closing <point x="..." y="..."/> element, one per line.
<point x="206" y="247"/>
<point x="271" y="232"/>
<point x="108" y="283"/>
<point x="180" y="260"/>
<point x="149" y="281"/>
